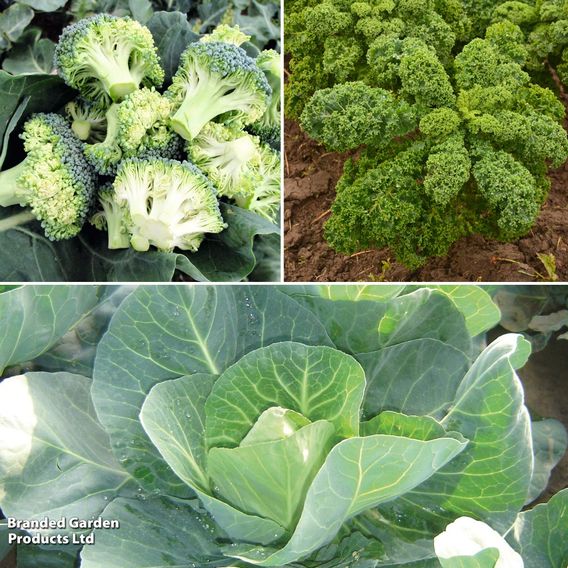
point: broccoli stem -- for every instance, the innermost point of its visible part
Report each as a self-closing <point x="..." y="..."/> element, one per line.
<point x="16" y="220"/>
<point x="199" y="107"/>
<point x="82" y="128"/>
<point x="10" y="190"/>
<point x="117" y="238"/>
<point x="114" y="72"/>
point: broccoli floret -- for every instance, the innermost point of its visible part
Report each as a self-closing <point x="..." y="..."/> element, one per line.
<point x="161" y="203"/>
<point x="264" y="197"/>
<point x="136" y="127"/>
<point x="106" y="57"/>
<point x="268" y="127"/>
<point x="216" y="80"/>
<point x="111" y="219"/>
<point x="54" y="180"/>
<point x="270" y="63"/>
<point x="226" y="34"/>
<point x="88" y="120"/>
<point x="228" y="156"/>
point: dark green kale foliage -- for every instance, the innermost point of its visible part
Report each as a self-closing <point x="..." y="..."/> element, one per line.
<point x="457" y="137"/>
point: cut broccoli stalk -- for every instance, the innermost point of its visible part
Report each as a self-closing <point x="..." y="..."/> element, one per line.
<point x="82" y="128"/>
<point x="88" y="120"/>
<point x="160" y="203"/>
<point x="111" y="218"/>
<point x="11" y="191"/>
<point x="16" y="220"/>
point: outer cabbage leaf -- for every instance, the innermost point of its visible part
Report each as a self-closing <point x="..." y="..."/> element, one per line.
<point x="55" y="458"/>
<point x="541" y="534"/>
<point x="37" y="317"/>
<point x="366" y="326"/>
<point x="491" y="477"/>
<point x="190" y="536"/>
<point x="161" y="333"/>
<point x="550" y="440"/>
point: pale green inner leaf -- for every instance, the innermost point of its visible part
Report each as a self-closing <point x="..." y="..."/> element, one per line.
<point x="358" y="474"/>
<point x="271" y="479"/>
<point x="397" y="424"/>
<point x="318" y="382"/>
<point x="486" y="558"/>
<point x="276" y="423"/>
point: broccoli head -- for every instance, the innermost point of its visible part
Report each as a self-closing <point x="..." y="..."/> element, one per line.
<point x="54" y="180"/>
<point x="136" y="127"/>
<point x="216" y="80"/>
<point x="88" y="120"/>
<point x="263" y="197"/>
<point x="228" y="156"/>
<point x="105" y="58"/>
<point x="161" y="203"/>
<point x="267" y="128"/>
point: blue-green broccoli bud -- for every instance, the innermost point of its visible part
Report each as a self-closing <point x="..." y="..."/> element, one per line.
<point x="88" y="120"/>
<point x="228" y="156"/>
<point x="216" y="80"/>
<point x="54" y="180"/>
<point x="105" y="58"/>
<point x="166" y="204"/>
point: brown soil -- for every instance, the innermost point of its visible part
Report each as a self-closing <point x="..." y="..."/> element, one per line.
<point x="310" y="177"/>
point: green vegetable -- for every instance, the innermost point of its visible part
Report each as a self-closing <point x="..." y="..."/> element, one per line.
<point x="301" y="426"/>
<point x="54" y="180"/>
<point x="136" y="128"/>
<point x="267" y="128"/>
<point x="478" y="161"/>
<point x="228" y="156"/>
<point x="216" y="80"/>
<point x="161" y="203"/>
<point x="337" y="41"/>
<point x="88" y="121"/>
<point x="107" y="58"/>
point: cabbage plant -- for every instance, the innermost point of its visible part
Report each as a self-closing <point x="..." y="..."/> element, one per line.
<point x="303" y="426"/>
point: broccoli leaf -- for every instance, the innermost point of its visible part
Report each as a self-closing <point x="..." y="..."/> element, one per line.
<point x="172" y="34"/>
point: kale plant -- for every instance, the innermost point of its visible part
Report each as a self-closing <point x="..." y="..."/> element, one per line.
<point x="456" y="130"/>
<point x="304" y="426"/>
